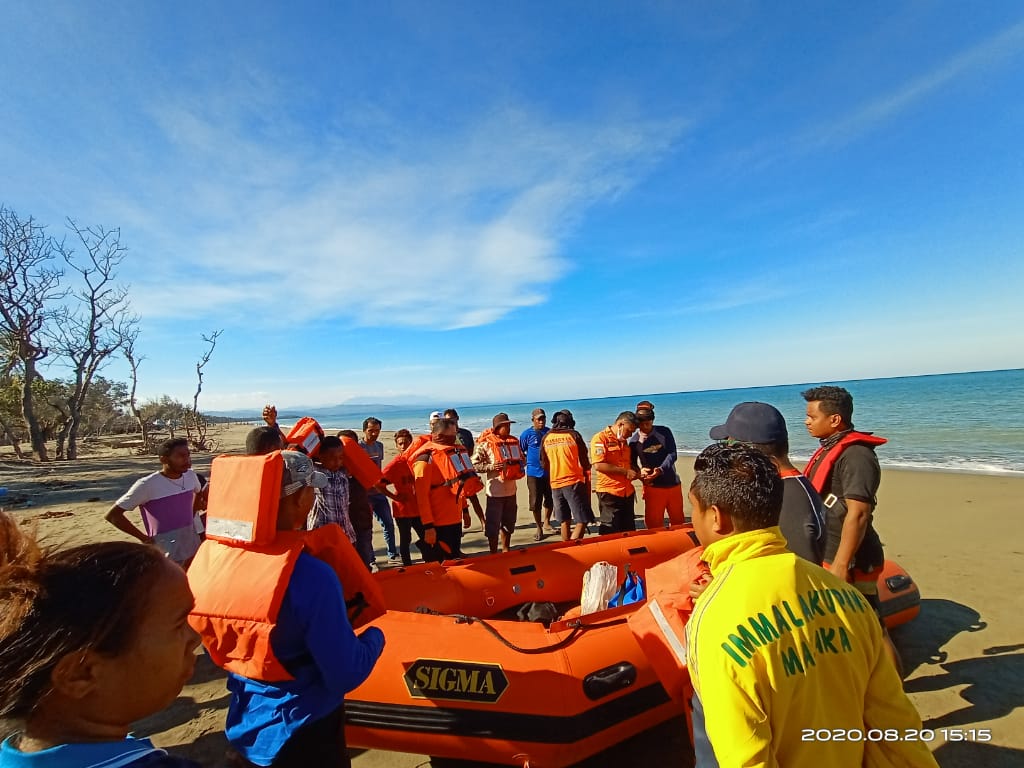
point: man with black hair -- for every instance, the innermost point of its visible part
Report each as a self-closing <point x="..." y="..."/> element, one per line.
<point x="263" y="440"/>
<point x="168" y="501"/>
<point x="537" y="481"/>
<point x="614" y="470"/>
<point x="378" y="501"/>
<point x="563" y="454"/>
<point x="654" y="450"/>
<point x="802" y="520"/>
<point x="845" y="471"/>
<point x="778" y="648"/>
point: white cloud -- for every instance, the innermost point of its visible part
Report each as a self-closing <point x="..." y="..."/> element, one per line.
<point x="988" y="53"/>
<point x="448" y="230"/>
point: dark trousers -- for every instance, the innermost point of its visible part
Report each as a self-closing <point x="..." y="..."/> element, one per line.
<point x="540" y="495"/>
<point x="319" y="743"/>
<point x="406" y="525"/>
<point x="449" y="543"/>
<point x="364" y="546"/>
<point x="615" y="513"/>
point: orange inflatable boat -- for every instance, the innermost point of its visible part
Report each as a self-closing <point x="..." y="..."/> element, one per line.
<point x="461" y="678"/>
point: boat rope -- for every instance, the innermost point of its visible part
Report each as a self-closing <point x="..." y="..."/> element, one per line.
<point x="578" y="627"/>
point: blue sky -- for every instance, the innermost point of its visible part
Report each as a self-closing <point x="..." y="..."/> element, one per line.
<point x="480" y="202"/>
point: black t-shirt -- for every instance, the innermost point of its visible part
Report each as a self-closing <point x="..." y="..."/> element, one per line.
<point x="803" y="519"/>
<point x="464" y="438"/>
<point x="855" y="475"/>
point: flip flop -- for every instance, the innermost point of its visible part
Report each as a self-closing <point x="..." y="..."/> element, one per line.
<point x="538" y="536"/>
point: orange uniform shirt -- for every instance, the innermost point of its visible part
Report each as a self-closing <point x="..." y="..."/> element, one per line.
<point x="561" y="453"/>
<point x="607" y="448"/>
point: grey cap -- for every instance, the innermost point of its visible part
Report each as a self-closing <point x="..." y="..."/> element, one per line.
<point x="299" y="472"/>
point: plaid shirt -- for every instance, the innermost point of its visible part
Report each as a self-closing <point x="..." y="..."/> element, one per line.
<point x="331" y="504"/>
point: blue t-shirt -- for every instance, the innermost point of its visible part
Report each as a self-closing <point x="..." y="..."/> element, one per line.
<point x="529" y="444"/>
<point x="315" y="642"/>
<point x="133" y="753"/>
<point x="657" y="451"/>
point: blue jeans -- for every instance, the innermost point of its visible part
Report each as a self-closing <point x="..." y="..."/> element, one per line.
<point x="382" y="511"/>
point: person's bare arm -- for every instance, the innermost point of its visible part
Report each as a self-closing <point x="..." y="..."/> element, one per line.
<point x="858" y="513"/>
<point x="117" y="518"/>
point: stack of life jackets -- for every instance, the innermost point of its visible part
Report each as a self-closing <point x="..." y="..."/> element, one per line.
<point x="241" y="572"/>
<point x="506" y="450"/>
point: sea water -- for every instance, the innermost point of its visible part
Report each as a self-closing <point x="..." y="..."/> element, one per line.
<point x="968" y="422"/>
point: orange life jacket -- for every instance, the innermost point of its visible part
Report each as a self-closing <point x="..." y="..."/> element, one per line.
<point x="819" y="468"/>
<point x="507" y="450"/>
<point x="399" y="473"/>
<point x="455" y="467"/>
<point x="359" y="464"/>
<point x="305" y="436"/>
<point x="241" y="572"/>
<point x="417" y="442"/>
<point x="659" y="626"/>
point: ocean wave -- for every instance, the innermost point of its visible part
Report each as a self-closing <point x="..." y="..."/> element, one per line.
<point x="957" y="464"/>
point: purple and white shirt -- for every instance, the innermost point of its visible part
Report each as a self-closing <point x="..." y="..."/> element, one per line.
<point x="165" y="504"/>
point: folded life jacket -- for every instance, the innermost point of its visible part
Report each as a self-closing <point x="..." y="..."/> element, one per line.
<point x="305" y="436"/>
<point x="241" y="572"/>
<point x="359" y="464"/>
<point x="819" y="468"/>
<point x="660" y="624"/>
<point x="455" y="467"/>
<point x="506" y="450"/>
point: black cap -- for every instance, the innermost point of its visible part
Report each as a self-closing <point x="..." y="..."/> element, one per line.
<point x="753" y="423"/>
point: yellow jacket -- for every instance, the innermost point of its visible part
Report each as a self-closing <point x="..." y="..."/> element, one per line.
<point x="780" y="651"/>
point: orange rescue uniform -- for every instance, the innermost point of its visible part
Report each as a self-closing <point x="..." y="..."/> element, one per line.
<point x="606" y="447"/>
<point x="560" y="450"/>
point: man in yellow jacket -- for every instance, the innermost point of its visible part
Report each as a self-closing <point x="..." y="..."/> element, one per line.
<point x="787" y="661"/>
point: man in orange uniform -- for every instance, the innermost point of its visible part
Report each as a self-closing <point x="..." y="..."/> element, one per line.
<point x="614" y="471"/>
<point x="438" y="492"/>
<point x="563" y="455"/>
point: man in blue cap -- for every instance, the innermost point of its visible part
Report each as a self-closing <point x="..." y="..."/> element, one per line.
<point x="802" y="519"/>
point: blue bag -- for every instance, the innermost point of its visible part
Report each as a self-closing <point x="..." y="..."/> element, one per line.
<point x="631" y="591"/>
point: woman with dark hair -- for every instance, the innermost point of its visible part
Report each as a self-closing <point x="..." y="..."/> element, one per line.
<point x="92" y="638"/>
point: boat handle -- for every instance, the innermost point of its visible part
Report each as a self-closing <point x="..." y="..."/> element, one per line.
<point x="606" y="681"/>
<point x="898" y="582"/>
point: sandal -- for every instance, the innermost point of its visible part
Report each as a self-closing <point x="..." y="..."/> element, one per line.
<point x="538" y="536"/>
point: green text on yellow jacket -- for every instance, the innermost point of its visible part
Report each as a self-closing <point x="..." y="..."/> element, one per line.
<point x="779" y="649"/>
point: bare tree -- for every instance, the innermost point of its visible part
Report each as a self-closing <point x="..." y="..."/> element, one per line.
<point x="29" y="286"/>
<point x="134" y="361"/>
<point x="196" y="426"/>
<point x="10" y="393"/>
<point x="95" y="325"/>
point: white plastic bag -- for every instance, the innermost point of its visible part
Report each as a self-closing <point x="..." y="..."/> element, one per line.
<point x="600" y="583"/>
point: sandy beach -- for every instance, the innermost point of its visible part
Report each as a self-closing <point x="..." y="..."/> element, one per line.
<point x="958" y="535"/>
